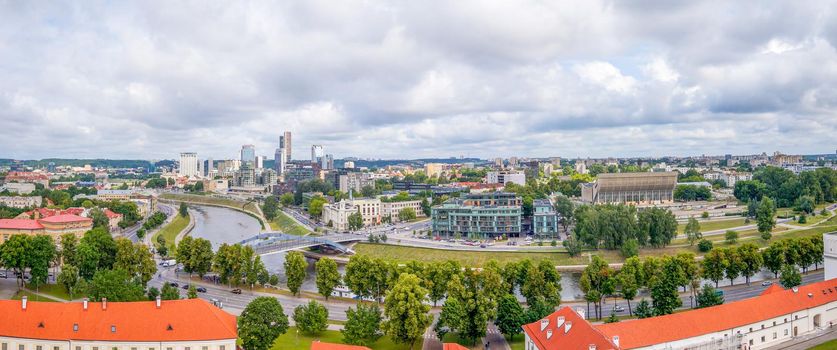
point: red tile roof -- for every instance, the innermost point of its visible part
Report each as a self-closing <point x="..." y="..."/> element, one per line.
<point x="331" y="346"/>
<point x="141" y="321"/>
<point x="772" y="289"/>
<point x="111" y="215"/>
<point x="453" y="346"/>
<point x="65" y="218"/>
<point x="20" y="224"/>
<point x="683" y="325"/>
<point x="569" y="331"/>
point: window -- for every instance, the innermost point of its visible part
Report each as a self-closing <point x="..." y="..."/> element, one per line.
<point x="762" y="339"/>
<point x="21" y="347"/>
<point x="796" y="317"/>
<point x="4" y="346"/>
<point x="222" y="347"/>
<point x="774" y="335"/>
<point x="56" y="348"/>
<point x="751" y="342"/>
<point x="38" y="347"/>
<point x="774" y="323"/>
<point x="786" y="320"/>
<point x="751" y="329"/>
<point x="204" y="348"/>
<point x="786" y="332"/>
<point x="762" y="326"/>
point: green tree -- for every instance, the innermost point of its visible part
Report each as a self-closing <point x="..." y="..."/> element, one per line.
<point x="704" y="245"/>
<point x="358" y="278"/>
<point x="363" y="325"/>
<point x="764" y="218"/>
<point x="692" y="231"/>
<point x="629" y="278"/>
<point x="261" y="322"/>
<point x="311" y="318"/>
<point x="183" y="253"/>
<point x="41" y="253"/>
<point x="269" y="207"/>
<point x="731" y="237"/>
<point x="135" y="259"/>
<point x="287" y="199"/>
<point x="714" y="265"/>
<point x="630" y="248"/>
<point x="572" y="245"/>
<point x="774" y="257"/>
<point x="805" y="204"/>
<point x="596" y="282"/>
<point x="472" y="308"/>
<point x="659" y="225"/>
<point x="115" y="285"/>
<point x="510" y="316"/>
<point x="355" y="221"/>
<point x="437" y="276"/>
<point x="153" y="293"/>
<point x="169" y="293"/>
<point x="14" y="254"/>
<point x="328" y="277"/>
<point x="425" y="207"/>
<point x="735" y="265"/>
<point x="407" y="315"/>
<point x="664" y="297"/>
<point x="192" y="293"/>
<point x="406" y="214"/>
<point x="751" y="260"/>
<point x="69" y="244"/>
<point x="102" y="242"/>
<point x="68" y="278"/>
<point x="644" y="310"/>
<point x="564" y="207"/>
<point x="709" y="297"/>
<point x="790" y="276"/>
<point x="315" y="206"/>
<point x="295" y="265"/>
<point x="183" y="210"/>
<point x="201" y="256"/>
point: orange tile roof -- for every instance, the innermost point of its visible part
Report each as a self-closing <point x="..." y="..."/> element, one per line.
<point x="110" y="214"/>
<point x="453" y="346"/>
<point x="573" y="332"/>
<point x="190" y="320"/>
<point x="772" y="289"/>
<point x="683" y="325"/>
<point x="20" y="224"/>
<point x="64" y="218"/>
<point x="316" y="345"/>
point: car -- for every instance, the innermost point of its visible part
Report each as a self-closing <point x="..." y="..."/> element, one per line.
<point x="201" y="289"/>
<point x="174" y="284"/>
<point x="3" y="275"/>
<point x="618" y="308"/>
<point x="185" y="286"/>
<point x="766" y="283"/>
<point x="236" y="291"/>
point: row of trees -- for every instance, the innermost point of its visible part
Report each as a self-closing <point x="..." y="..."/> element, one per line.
<point x="786" y="188"/>
<point x="615" y="226"/>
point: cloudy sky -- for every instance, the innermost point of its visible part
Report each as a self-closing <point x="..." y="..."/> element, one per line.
<point x="406" y="79"/>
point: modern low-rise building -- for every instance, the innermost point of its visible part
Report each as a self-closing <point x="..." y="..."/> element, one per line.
<point x="544" y="220"/>
<point x="632" y="188"/>
<point x="391" y="209"/>
<point x="774" y="317"/>
<point x="354" y="181"/>
<point x="506" y="177"/>
<point x="478" y="216"/>
<point x="145" y="325"/>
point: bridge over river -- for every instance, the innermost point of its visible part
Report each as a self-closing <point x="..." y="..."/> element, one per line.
<point x="275" y="242"/>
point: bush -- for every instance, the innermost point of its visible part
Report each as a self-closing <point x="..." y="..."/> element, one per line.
<point x="704" y="245"/>
<point x="802" y="219"/>
<point x="705" y="215"/>
<point x="554" y="243"/>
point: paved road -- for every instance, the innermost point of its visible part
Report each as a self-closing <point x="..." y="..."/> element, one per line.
<point x="131" y="232"/>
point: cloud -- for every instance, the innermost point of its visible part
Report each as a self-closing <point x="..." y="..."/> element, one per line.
<point x="417" y="79"/>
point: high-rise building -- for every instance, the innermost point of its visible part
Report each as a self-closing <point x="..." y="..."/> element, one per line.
<point x="328" y="161"/>
<point x="317" y="154"/>
<point x="260" y="162"/>
<point x="189" y="164"/>
<point x="279" y="161"/>
<point x="288" y="148"/>
<point x="248" y="154"/>
<point x="208" y="167"/>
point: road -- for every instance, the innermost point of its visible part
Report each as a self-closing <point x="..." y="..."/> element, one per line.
<point x="131" y="232"/>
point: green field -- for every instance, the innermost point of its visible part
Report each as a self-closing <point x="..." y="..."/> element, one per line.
<point x="247" y="207"/>
<point x="713" y="225"/>
<point x="471" y="258"/>
<point x="293" y="341"/>
<point x="31" y="296"/>
<point x="829" y="345"/>
<point x="54" y="290"/>
<point x="286" y="224"/>
<point x="171" y="230"/>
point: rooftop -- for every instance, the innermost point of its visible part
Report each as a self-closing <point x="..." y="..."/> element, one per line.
<point x="64" y="218"/>
<point x="20" y="224"/>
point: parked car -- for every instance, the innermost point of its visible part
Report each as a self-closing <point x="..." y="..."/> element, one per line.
<point x="201" y="289"/>
<point x="174" y="284"/>
<point x="185" y="286"/>
<point x="766" y="283"/>
<point x="618" y="308"/>
<point x="236" y="291"/>
<point x="3" y="275"/>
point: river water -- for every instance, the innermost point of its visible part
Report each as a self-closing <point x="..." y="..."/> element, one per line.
<point x="222" y="225"/>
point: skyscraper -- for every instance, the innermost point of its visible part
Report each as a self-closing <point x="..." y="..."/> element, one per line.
<point x="281" y="156"/>
<point x="260" y="162"/>
<point x="248" y="154"/>
<point x="288" y="149"/>
<point x="316" y="154"/>
<point x="188" y="164"/>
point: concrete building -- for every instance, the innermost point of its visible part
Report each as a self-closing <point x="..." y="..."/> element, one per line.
<point x="55" y="226"/>
<point x="354" y="181"/>
<point x="317" y="154"/>
<point x="770" y="319"/>
<point x="729" y="177"/>
<point x="391" y="209"/>
<point x="829" y="241"/>
<point x="505" y="177"/>
<point x="580" y="167"/>
<point x="27" y="177"/>
<point x="349" y="164"/>
<point x="18" y="187"/>
<point x="328" y="162"/>
<point x="544" y="220"/>
<point x="188" y="164"/>
<point x="192" y="324"/>
<point x="633" y="188"/>
<point x="248" y="154"/>
<point x="434" y="169"/>
<point x="21" y="202"/>
<point x="338" y="213"/>
<point x="260" y="162"/>
<point x="478" y="216"/>
<point x="114" y="195"/>
<point x="286" y="141"/>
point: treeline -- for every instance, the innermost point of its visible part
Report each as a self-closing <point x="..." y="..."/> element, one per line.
<point x="620" y="227"/>
<point x="787" y="188"/>
<point x="692" y="193"/>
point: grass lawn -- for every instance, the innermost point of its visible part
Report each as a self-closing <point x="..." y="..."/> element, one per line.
<point x="829" y="345"/>
<point x="811" y="220"/>
<point x="171" y="230"/>
<point x="286" y="224"/>
<point x="293" y="341"/>
<point x="471" y="258"/>
<point x="248" y="207"/>
<point x="518" y="342"/>
<point x="712" y="225"/>
<point x="53" y="290"/>
<point x="31" y="296"/>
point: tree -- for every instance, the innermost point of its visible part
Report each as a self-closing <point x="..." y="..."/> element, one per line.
<point x="270" y="206"/>
<point x="734" y="264"/>
<point x="510" y="316"/>
<point x="153" y="293"/>
<point x="790" y="276"/>
<point x="363" y="325"/>
<point x="596" y="282"/>
<point x="355" y="221"/>
<point x="437" y="276"/>
<point x="311" y="318"/>
<point x="192" y="293"/>
<point x="658" y="224"/>
<point x="315" y="206"/>
<point x="572" y="245"/>
<point x="358" y="278"/>
<point x="100" y="240"/>
<point x="261" y="322"/>
<point x="14" y="254"/>
<point x="407" y="315"/>
<point x="709" y="297"/>
<point x="664" y="297"/>
<point x="704" y="245"/>
<point x="773" y="257"/>
<point x="805" y="204"/>
<point x="295" y="265"/>
<point x="751" y="260"/>
<point x="564" y="207"/>
<point x="467" y="309"/>
<point x="714" y="265"/>
<point x="425" y="207"/>
<point x="731" y="237"/>
<point x="183" y="210"/>
<point x="115" y="285"/>
<point x="630" y="248"/>
<point x="69" y="244"/>
<point x="692" y="231"/>
<point x="200" y="259"/>
<point x="749" y="190"/>
<point x="169" y="292"/>
<point x="628" y="279"/>
<point x="68" y="278"/>
<point x="764" y="218"/>
<point x="643" y="309"/>
<point x="41" y="253"/>
<point x="406" y="214"/>
<point x="327" y="276"/>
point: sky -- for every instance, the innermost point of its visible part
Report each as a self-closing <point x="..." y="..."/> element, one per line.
<point x="410" y="79"/>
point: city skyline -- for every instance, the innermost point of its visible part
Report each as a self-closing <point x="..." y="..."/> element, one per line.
<point x="375" y="80"/>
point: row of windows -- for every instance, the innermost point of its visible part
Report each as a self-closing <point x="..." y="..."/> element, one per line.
<point x="5" y="346"/>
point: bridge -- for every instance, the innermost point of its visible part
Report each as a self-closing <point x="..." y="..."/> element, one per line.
<point x="275" y="242"/>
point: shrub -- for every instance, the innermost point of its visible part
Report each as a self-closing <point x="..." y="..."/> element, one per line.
<point x="704" y="245"/>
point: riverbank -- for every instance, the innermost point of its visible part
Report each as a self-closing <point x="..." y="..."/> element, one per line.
<point x="171" y="230"/>
<point x="249" y="208"/>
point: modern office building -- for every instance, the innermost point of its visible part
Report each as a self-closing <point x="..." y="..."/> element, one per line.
<point x="633" y="188"/>
<point x="208" y="168"/>
<point x="317" y="154"/>
<point x="768" y="320"/>
<point x="354" y="181"/>
<point x="188" y="164"/>
<point x="505" y="177"/>
<point x="478" y="216"/>
<point x="260" y="162"/>
<point x="288" y="146"/>
<point x="328" y="162"/>
<point x="544" y="220"/>
<point x="248" y="154"/>
<point x="147" y="325"/>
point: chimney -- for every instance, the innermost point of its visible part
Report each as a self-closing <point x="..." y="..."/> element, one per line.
<point x="559" y="322"/>
<point x="158" y="301"/>
<point x="592" y="347"/>
<point x="548" y="334"/>
<point x="84" y="303"/>
<point x="104" y="303"/>
<point x="567" y="327"/>
<point x="580" y="312"/>
<point x="616" y="340"/>
<point x="23" y="302"/>
<point x="795" y="289"/>
<point x="544" y="323"/>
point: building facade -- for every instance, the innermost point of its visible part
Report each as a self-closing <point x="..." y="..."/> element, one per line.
<point x="478" y="216"/>
<point x="338" y="213"/>
<point x="505" y="177"/>
<point x="55" y="226"/>
<point x="21" y="202"/>
<point x="354" y="181"/>
<point x="188" y="164"/>
<point x="391" y="209"/>
<point x="544" y="220"/>
<point x="632" y="188"/>
<point x="147" y="325"/>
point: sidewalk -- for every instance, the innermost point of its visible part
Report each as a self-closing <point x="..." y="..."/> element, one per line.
<point x="808" y="341"/>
